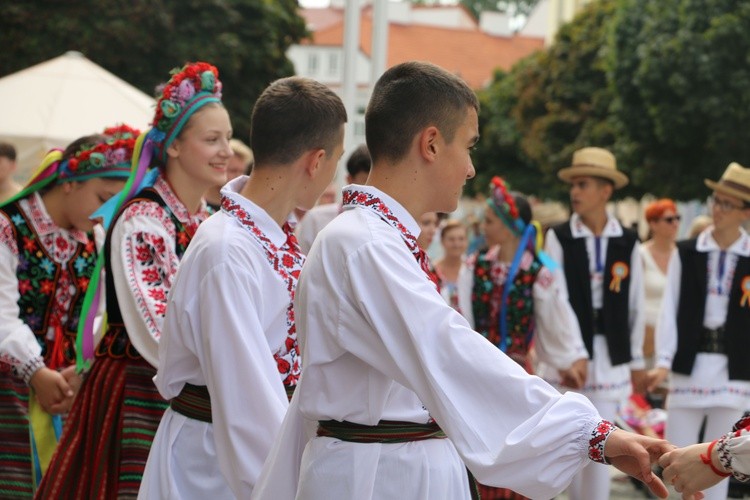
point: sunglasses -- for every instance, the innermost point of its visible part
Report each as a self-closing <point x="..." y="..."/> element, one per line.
<point x="671" y="219"/>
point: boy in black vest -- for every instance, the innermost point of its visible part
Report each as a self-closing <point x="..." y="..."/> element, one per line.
<point x="705" y="317"/>
<point x="602" y="274"/>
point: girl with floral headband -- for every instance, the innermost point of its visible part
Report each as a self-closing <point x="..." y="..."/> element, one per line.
<point x="509" y="294"/>
<point x="47" y="257"/>
<point x="113" y="420"/>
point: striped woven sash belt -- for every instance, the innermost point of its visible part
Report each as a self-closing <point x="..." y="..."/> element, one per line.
<point x="194" y="402"/>
<point x="387" y="431"/>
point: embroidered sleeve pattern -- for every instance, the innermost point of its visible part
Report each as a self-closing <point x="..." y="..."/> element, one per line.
<point x="150" y="263"/>
<point x="599" y="439"/>
<point x="741" y="428"/>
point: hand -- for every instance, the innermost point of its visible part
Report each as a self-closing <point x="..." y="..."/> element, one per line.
<point x="655" y="377"/>
<point x="633" y="454"/>
<point x="684" y="469"/>
<point x="639" y="379"/>
<point x="575" y="376"/>
<point x="52" y="391"/>
<point x="74" y="379"/>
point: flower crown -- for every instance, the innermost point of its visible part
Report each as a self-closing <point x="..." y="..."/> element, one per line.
<point x="504" y="205"/>
<point x="189" y="88"/>
<point x="184" y="85"/>
<point x="110" y="158"/>
<point x="122" y="131"/>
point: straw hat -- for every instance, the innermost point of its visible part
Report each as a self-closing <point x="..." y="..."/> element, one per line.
<point x="735" y="182"/>
<point x="594" y="162"/>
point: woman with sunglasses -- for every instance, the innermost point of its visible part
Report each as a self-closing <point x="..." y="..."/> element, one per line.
<point x="663" y="223"/>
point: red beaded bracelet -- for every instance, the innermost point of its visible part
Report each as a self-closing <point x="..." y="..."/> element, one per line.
<point x="707" y="460"/>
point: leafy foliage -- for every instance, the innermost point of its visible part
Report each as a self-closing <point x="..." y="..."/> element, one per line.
<point x="682" y="83"/>
<point x="141" y="40"/>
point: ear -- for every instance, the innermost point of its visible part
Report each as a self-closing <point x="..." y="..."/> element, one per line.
<point x="314" y="161"/>
<point x="428" y="143"/>
<point x="173" y="151"/>
<point x="68" y="187"/>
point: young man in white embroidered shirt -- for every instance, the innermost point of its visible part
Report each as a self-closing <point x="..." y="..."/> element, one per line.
<point x="701" y="335"/>
<point x="228" y="356"/>
<point x="390" y="368"/>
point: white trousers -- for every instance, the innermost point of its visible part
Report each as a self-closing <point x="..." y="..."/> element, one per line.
<point x="683" y="426"/>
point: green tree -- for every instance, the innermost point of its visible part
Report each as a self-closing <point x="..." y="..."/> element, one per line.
<point x="555" y="102"/>
<point x="680" y="72"/>
<point x="141" y="40"/>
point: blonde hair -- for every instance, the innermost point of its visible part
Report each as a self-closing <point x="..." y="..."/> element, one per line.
<point x="242" y="151"/>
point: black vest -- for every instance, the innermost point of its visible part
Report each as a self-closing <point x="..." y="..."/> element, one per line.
<point x="691" y="309"/>
<point x="615" y="304"/>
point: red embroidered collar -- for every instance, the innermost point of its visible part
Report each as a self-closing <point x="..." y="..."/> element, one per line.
<point x="353" y="197"/>
<point x="287" y="261"/>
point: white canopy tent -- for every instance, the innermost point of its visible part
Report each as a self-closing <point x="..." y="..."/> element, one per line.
<point x="55" y="102"/>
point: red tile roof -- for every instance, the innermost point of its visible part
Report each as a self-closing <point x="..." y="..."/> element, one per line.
<point x="469" y="53"/>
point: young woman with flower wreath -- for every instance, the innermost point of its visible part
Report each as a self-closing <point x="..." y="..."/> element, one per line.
<point x="509" y="294"/>
<point x="112" y="422"/>
<point x="47" y="259"/>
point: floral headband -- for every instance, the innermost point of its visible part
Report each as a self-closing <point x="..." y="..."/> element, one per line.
<point x="189" y="89"/>
<point x="111" y="158"/>
<point x="122" y="131"/>
<point x="504" y="205"/>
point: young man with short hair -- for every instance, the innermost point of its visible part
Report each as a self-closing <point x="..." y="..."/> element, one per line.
<point x="228" y="355"/>
<point x="404" y="394"/>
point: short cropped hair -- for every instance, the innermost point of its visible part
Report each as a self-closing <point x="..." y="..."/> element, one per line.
<point x="359" y="161"/>
<point x="294" y="115"/>
<point x="8" y="151"/>
<point x="408" y="98"/>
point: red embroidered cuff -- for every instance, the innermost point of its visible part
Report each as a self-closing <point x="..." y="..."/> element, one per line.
<point x="598" y="439"/>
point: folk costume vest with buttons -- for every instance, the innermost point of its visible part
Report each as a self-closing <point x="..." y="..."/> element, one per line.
<point x="691" y="309"/>
<point x="615" y="302"/>
<point x="115" y="342"/>
<point x="38" y="279"/>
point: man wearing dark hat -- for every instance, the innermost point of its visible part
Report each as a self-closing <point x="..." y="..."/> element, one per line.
<point x="602" y="276"/>
<point x="702" y="332"/>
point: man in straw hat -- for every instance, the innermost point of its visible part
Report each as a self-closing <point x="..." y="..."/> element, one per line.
<point x="601" y="267"/>
<point x="704" y="317"/>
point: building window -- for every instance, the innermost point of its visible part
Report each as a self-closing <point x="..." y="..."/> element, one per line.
<point x="312" y="64"/>
<point x="333" y="64"/>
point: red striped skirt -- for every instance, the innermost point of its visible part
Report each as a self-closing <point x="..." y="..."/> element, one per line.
<point x="108" y="433"/>
<point x="16" y="478"/>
